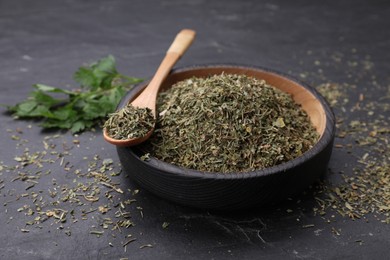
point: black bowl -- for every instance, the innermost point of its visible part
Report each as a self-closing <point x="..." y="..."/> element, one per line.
<point x="236" y="190"/>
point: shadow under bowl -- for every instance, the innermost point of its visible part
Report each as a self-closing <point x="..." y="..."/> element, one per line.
<point x="231" y="191"/>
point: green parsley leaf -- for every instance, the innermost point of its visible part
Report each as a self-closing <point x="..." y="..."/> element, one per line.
<point x="78" y="126"/>
<point x="98" y="75"/>
<point x="85" y="77"/>
<point x="45" y="88"/>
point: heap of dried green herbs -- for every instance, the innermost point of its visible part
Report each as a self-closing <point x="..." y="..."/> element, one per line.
<point x="129" y="122"/>
<point x="229" y="123"/>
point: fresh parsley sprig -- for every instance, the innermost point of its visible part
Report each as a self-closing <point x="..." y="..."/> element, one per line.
<point x="102" y="87"/>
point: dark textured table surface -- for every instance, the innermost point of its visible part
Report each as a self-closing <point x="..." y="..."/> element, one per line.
<point x="46" y="41"/>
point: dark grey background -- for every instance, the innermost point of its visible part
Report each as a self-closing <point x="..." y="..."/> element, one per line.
<point x="46" y="41"/>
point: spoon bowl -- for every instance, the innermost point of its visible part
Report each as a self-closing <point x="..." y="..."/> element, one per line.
<point x="127" y="142"/>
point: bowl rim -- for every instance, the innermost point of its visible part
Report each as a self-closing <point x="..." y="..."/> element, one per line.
<point x="172" y="169"/>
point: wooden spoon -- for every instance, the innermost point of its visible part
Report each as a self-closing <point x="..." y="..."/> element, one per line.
<point x="147" y="98"/>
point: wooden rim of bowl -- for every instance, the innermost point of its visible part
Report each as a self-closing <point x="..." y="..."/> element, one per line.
<point x="309" y="98"/>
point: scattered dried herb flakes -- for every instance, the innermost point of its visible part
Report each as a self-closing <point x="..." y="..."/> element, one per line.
<point x="363" y="132"/>
<point x="92" y="192"/>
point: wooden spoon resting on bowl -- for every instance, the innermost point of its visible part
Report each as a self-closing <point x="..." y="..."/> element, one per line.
<point x="148" y="97"/>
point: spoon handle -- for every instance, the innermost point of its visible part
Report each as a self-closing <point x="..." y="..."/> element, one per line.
<point x="178" y="47"/>
<point x="182" y="41"/>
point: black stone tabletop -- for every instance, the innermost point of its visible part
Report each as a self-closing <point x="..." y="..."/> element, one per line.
<point x="64" y="196"/>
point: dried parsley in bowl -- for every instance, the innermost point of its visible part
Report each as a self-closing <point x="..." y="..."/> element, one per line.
<point x="229" y="123"/>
